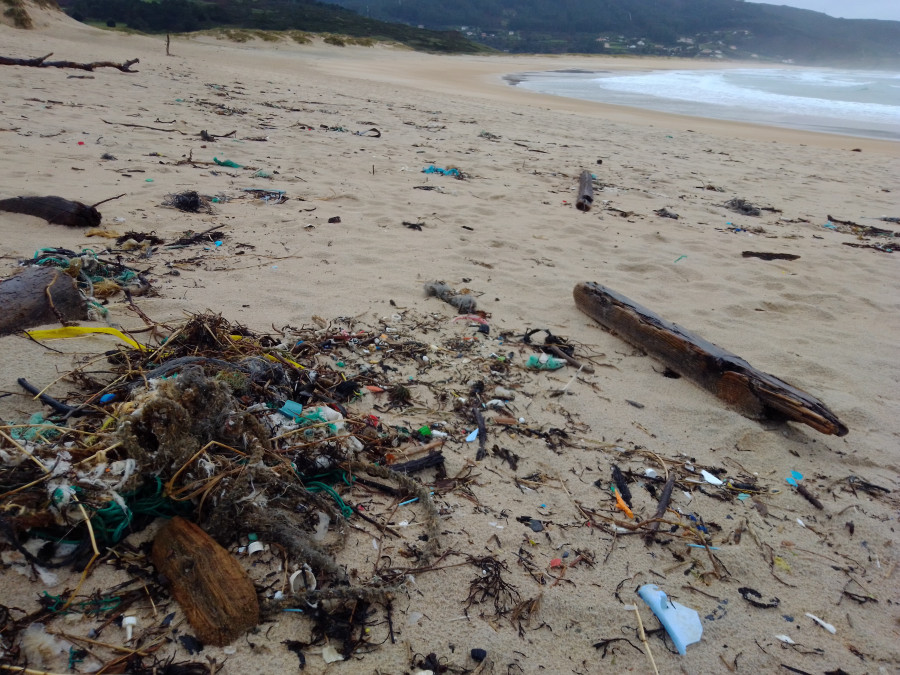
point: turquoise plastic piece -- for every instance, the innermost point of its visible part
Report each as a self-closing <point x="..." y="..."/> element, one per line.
<point x="291" y="409"/>
<point x="681" y="623"/>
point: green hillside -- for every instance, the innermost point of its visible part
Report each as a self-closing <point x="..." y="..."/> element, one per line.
<point x="709" y="28"/>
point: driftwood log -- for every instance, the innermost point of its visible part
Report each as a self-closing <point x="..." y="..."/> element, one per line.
<point x="585" y="192"/>
<point x="55" y="210"/>
<point x="39" y="295"/>
<point x="755" y="394"/>
<point x="216" y="594"/>
<point x="42" y="62"/>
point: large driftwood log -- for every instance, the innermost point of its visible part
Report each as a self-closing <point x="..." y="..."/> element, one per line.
<point x="39" y="295"/>
<point x="55" y="210"/>
<point x="752" y="392"/>
<point x="217" y="596"/>
<point x="42" y="62"/>
<point x="585" y="192"/>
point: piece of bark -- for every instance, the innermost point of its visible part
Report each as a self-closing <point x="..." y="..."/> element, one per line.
<point x="585" y="192"/>
<point x="55" y="210"/>
<point x="664" y="499"/>
<point x="214" y="591"/>
<point x="754" y="393"/>
<point x="39" y="295"/>
<point x="770" y="256"/>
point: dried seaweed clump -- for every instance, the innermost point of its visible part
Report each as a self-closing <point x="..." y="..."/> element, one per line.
<point x="742" y="206"/>
<point x="464" y="302"/>
<point x="190" y="201"/>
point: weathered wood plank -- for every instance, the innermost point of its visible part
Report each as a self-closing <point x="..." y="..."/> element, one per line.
<point x="754" y="393"/>
<point x="585" y="192"/>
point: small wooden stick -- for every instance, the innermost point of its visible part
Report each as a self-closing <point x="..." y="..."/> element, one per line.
<point x="643" y="636"/>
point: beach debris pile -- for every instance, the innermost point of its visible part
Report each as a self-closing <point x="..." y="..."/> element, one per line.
<point x="322" y="467"/>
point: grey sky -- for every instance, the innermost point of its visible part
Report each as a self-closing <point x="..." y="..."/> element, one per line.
<point x="847" y="9"/>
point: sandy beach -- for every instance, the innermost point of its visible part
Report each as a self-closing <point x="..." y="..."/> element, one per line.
<point x="339" y="254"/>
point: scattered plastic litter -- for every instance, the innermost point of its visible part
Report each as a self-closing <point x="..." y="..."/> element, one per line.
<point x="331" y="655"/>
<point x="681" y="623"/>
<point x="129" y="622"/>
<point x="710" y="478"/>
<point x="544" y="362"/>
<point x="827" y="626"/>
<point x="794" y="478"/>
<point x="227" y="162"/>
<point x="444" y="172"/>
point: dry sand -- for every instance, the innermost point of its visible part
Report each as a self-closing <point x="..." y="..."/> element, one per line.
<point x="827" y="322"/>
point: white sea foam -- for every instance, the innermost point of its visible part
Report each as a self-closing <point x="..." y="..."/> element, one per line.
<point x="862" y="103"/>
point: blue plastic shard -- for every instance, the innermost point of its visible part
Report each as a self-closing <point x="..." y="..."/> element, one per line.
<point x="681" y="623"/>
<point x="291" y="409"/>
<point x="472" y="436"/>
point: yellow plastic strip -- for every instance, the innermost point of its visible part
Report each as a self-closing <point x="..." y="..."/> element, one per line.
<point x="80" y="331"/>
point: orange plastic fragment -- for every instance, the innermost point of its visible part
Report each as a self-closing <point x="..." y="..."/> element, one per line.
<point x="621" y="505"/>
<point x="374" y="389"/>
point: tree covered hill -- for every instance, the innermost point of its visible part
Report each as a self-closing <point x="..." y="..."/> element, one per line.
<point x="291" y="16"/>
<point x="712" y="28"/>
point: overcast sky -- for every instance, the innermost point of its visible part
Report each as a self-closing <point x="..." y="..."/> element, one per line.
<point x="850" y="9"/>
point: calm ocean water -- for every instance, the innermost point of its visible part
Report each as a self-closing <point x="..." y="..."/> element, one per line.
<point x="853" y="102"/>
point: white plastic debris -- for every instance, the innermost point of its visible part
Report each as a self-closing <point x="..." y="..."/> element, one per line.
<point x="255" y="547"/>
<point x="129" y="622"/>
<point x="710" y="478"/>
<point x="786" y="639"/>
<point x="827" y="626"/>
<point x="321" y="526"/>
<point x="650" y="473"/>
<point x="681" y="623"/>
<point x="308" y="579"/>
<point x="330" y="654"/>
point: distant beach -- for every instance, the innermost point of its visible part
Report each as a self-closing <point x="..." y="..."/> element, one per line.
<point x="850" y="102"/>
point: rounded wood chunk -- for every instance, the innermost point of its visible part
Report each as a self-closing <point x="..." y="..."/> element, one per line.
<point x="216" y="594"/>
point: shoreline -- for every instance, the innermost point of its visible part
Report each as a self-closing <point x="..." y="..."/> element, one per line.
<point x="728" y="113"/>
<point x="484" y="76"/>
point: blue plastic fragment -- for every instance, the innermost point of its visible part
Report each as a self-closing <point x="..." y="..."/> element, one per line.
<point x="794" y="478"/>
<point x="443" y="172"/>
<point x="681" y="623"/>
<point x="106" y="398"/>
<point x="291" y="409"/>
<point x="472" y="436"/>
